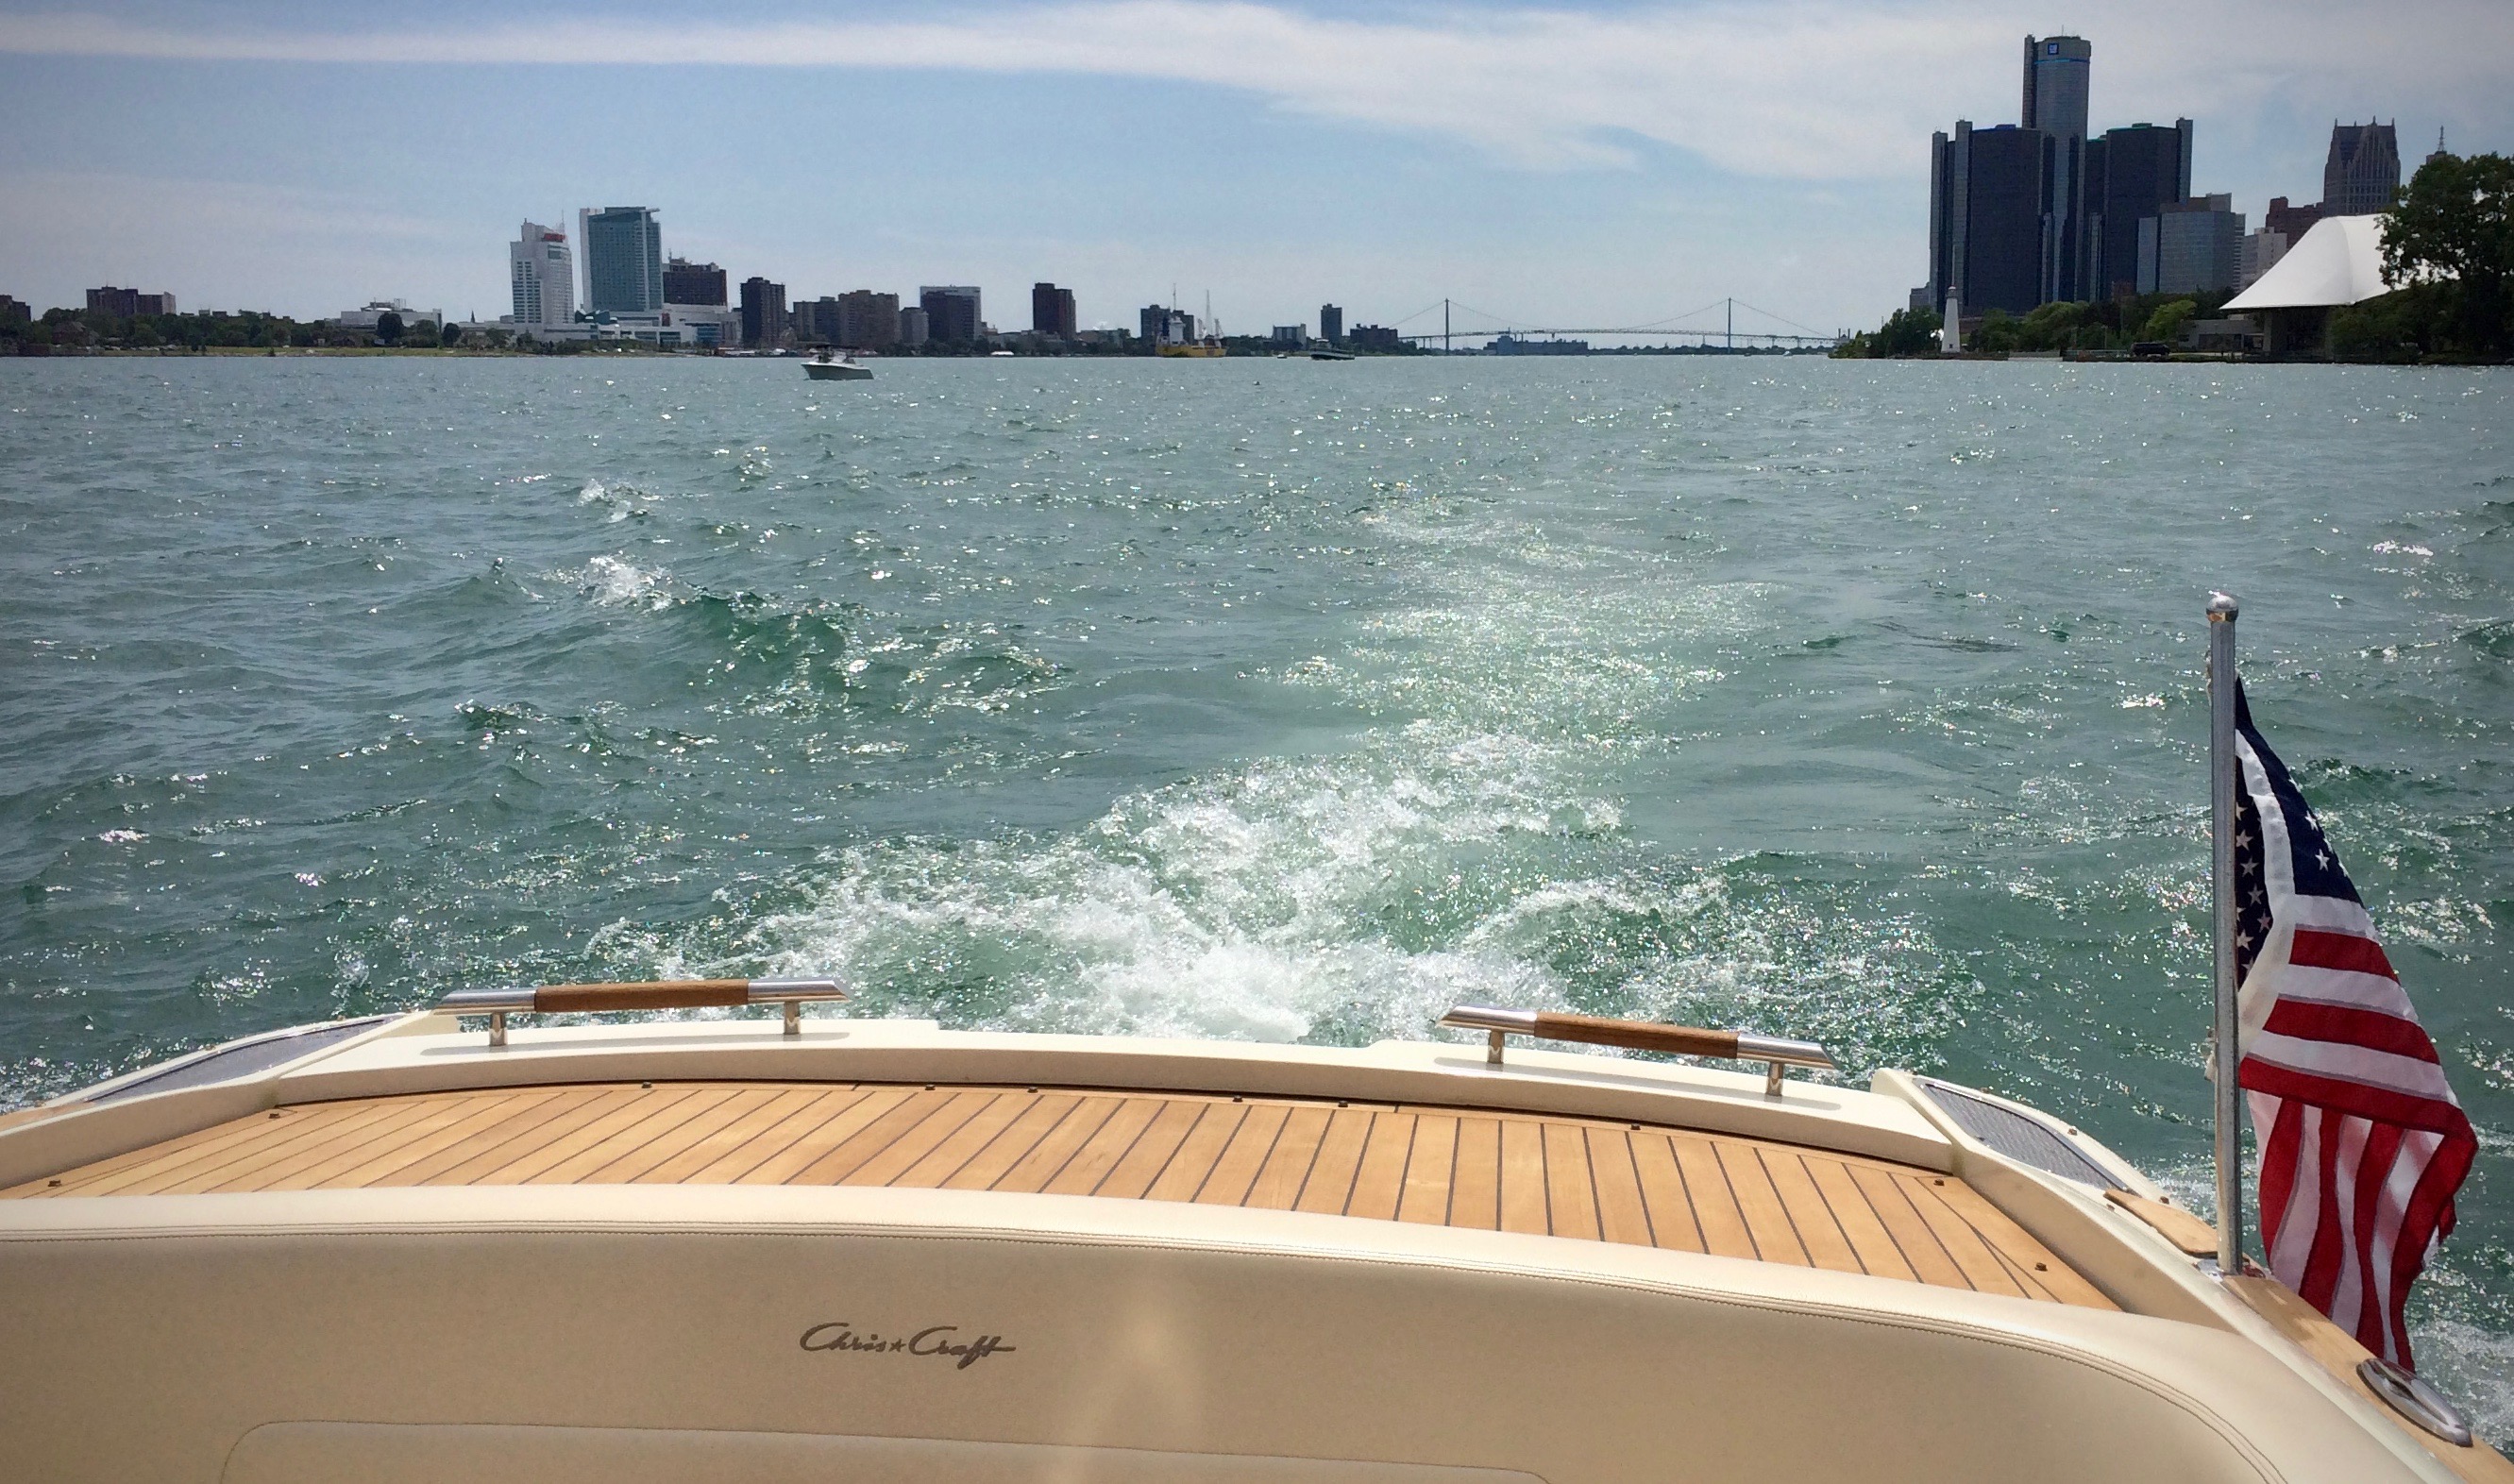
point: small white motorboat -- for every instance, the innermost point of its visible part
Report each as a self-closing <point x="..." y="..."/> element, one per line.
<point x="825" y="364"/>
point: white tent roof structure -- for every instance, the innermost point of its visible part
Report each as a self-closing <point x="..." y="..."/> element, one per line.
<point x="2340" y="262"/>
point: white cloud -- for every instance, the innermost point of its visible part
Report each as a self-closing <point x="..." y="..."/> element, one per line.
<point x="1809" y="89"/>
<point x="240" y="245"/>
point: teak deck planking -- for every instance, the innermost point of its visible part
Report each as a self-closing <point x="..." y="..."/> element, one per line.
<point x="1578" y="1178"/>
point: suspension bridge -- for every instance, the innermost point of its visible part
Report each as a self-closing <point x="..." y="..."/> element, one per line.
<point x="1711" y="327"/>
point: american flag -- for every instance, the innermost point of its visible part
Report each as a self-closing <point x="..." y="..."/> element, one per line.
<point x="2361" y="1142"/>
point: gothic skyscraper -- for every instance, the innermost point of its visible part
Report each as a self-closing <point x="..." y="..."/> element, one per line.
<point x="2362" y="171"/>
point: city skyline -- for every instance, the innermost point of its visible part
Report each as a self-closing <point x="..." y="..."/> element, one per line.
<point x="1579" y="167"/>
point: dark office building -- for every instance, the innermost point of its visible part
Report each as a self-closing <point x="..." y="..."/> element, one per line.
<point x="693" y="283"/>
<point x="13" y="311"/>
<point x="1990" y="191"/>
<point x="950" y="313"/>
<point x="763" y="313"/>
<point x="1051" y="312"/>
<point x="2131" y="174"/>
<point x="2056" y="73"/>
<point x="2363" y="171"/>
<point x="122" y="303"/>
<point x="1330" y="323"/>
<point x="624" y="260"/>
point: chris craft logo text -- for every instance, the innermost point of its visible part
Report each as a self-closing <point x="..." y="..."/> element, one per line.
<point x="940" y="1339"/>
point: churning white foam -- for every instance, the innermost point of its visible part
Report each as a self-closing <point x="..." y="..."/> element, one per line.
<point x="1248" y="907"/>
<point x="1470" y="850"/>
<point x="613" y="583"/>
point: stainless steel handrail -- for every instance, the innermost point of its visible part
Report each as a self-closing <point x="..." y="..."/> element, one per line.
<point x="656" y="994"/>
<point x="1777" y="1053"/>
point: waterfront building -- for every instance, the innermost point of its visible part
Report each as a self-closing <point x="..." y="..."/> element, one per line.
<point x="1378" y="338"/>
<point x="368" y="315"/>
<point x="763" y="313"/>
<point x="913" y="329"/>
<point x="2055" y="86"/>
<point x="624" y="260"/>
<point x="2132" y="174"/>
<point x="868" y="321"/>
<point x="14" y="312"/>
<point x="950" y="313"/>
<point x="1290" y="336"/>
<point x="542" y="277"/>
<point x="1330" y="323"/>
<point x="2339" y="263"/>
<point x="1051" y="312"/>
<point x="1990" y="195"/>
<point x="2259" y="253"/>
<point x="2025" y="214"/>
<point x="815" y="321"/>
<point x="709" y="325"/>
<point x="693" y="283"/>
<point x="124" y="303"/>
<point x="2191" y="246"/>
<point x="2363" y="171"/>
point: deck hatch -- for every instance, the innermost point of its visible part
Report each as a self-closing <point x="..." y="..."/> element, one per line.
<point x="2020" y="1137"/>
<point x="243" y="1059"/>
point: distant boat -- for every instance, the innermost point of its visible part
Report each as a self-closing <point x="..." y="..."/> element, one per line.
<point x="1203" y="348"/>
<point x="1331" y="355"/>
<point x="828" y="365"/>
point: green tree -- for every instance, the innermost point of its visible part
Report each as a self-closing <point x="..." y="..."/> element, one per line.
<point x="1912" y="332"/>
<point x="388" y="328"/>
<point x="449" y="334"/>
<point x="2455" y="222"/>
<point x="2165" y="324"/>
<point x="2399" y="328"/>
<point x="2051" y="326"/>
<point x="2000" y="334"/>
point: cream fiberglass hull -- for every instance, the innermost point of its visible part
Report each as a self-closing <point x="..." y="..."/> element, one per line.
<point x="875" y="1250"/>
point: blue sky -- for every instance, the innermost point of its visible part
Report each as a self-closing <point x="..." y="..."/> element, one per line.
<point x="1573" y="165"/>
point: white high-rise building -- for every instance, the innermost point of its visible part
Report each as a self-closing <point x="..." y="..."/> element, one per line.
<point x="544" y="276"/>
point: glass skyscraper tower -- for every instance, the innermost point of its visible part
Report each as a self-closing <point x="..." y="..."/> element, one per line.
<point x="2056" y="72"/>
<point x="624" y="260"/>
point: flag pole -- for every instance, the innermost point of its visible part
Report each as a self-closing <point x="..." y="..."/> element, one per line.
<point x="2226" y="1050"/>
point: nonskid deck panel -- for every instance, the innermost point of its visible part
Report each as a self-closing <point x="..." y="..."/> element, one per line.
<point x="1576" y="1178"/>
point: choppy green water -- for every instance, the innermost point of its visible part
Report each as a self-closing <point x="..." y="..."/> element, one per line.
<point x="1257" y="699"/>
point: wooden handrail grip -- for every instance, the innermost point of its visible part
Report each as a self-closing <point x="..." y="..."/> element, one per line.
<point x="661" y="995"/>
<point x="1635" y="1035"/>
<point x="1776" y="1052"/>
<point x="655" y="994"/>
